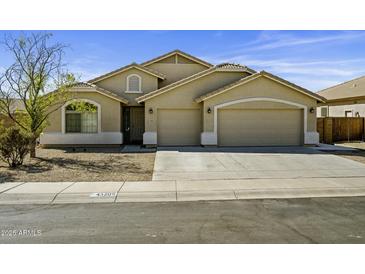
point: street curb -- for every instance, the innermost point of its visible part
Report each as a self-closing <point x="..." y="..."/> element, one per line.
<point x="181" y="196"/>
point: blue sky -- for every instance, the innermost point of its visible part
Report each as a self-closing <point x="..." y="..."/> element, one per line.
<point x="312" y="59"/>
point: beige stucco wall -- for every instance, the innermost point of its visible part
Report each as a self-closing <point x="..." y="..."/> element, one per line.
<point x="337" y="109"/>
<point x="183" y="97"/>
<point x="110" y="113"/>
<point x="261" y="87"/>
<point x="175" y="72"/>
<point x="118" y="84"/>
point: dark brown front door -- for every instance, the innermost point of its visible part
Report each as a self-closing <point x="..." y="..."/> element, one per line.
<point x="133" y="125"/>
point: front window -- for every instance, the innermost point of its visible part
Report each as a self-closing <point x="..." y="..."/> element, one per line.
<point x="81" y="117"/>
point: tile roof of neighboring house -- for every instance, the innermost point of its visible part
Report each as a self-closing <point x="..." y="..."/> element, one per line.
<point x="189" y="79"/>
<point x="184" y="54"/>
<point x="255" y="76"/>
<point x="351" y="89"/>
<point x="130" y="66"/>
<point x="93" y="87"/>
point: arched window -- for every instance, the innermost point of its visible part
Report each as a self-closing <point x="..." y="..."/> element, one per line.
<point x="81" y="117"/>
<point x="134" y="83"/>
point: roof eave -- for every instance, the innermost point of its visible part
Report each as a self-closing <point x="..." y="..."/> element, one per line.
<point x="361" y="97"/>
<point x="186" y="55"/>
<point x="255" y="76"/>
<point x="126" y="68"/>
<point x="100" y="91"/>
<point x="173" y="85"/>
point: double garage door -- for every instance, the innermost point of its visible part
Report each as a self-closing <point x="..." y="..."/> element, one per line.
<point x="260" y="127"/>
<point x="236" y="127"/>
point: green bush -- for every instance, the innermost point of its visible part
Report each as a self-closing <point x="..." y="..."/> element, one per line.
<point x="14" y="146"/>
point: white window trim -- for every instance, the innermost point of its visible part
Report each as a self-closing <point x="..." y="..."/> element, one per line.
<point x="63" y="113"/>
<point x="140" y="84"/>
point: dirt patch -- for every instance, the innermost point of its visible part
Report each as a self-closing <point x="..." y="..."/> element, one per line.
<point x="60" y="165"/>
<point x="355" y="155"/>
<point x="358" y="145"/>
<point x="358" y="156"/>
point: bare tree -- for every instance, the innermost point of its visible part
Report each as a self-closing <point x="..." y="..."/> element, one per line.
<point x="38" y="68"/>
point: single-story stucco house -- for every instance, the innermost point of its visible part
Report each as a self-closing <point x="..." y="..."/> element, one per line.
<point x="180" y="100"/>
<point x="344" y="100"/>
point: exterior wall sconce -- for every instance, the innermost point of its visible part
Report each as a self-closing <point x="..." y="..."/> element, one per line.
<point x="150" y="111"/>
<point x="311" y="110"/>
<point x="209" y="110"/>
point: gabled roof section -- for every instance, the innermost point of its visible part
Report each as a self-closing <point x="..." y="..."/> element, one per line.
<point x="181" y="53"/>
<point x="88" y="87"/>
<point x="190" y="79"/>
<point x="255" y="76"/>
<point x="125" y="68"/>
<point x="351" y="89"/>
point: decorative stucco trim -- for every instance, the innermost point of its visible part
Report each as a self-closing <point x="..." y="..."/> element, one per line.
<point x="150" y="138"/>
<point x="63" y="114"/>
<point x="102" y="138"/>
<point x="139" y="85"/>
<point x="253" y="99"/>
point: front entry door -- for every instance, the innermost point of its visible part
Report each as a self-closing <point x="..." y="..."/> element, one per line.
<point x="133" y="125"/>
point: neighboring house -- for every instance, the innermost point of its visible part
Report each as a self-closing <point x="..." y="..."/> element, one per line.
<point x="344" y="100"/>
<point x="16" y="105"/>
<point x="178" y="99"/>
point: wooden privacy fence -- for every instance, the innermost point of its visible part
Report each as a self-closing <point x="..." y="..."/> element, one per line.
<point x="336" y="129"/>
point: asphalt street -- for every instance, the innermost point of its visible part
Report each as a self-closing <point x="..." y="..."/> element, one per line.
<point x="315" y="220"/>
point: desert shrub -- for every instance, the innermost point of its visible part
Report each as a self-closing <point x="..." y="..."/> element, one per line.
<point x="14" y="146"/>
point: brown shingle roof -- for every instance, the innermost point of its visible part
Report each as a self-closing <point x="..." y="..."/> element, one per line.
<point x="189" y="79"/>
<point x="133" y="65"/>
<point x="252" y="77"/>
<point x="184" y="54"/>
<point x="350" y="89"/>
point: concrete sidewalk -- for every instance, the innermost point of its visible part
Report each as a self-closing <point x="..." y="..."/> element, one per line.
<point x="168" y="191"/>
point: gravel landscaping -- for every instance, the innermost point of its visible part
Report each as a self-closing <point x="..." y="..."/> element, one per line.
<point x="77" y="165"/>
<point x="357" y="155"/>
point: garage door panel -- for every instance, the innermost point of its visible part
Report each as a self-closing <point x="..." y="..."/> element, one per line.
<point x="260" y="127"/>
<point x="180" y="127"/>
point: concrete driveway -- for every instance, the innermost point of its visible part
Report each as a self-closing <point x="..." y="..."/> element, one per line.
<point x="197" y="163"/>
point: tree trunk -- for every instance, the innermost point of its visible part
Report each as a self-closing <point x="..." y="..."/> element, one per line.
<point x="33" y="144"/>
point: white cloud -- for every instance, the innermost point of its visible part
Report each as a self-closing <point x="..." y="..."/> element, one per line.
<point x="218" y="34"/>
<point x="269" y="40"/>
<point x="289" y="41"/>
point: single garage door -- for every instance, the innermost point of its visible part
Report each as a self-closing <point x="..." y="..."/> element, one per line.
<point x="257" y="127"/>
<point x="178" y="127"/>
